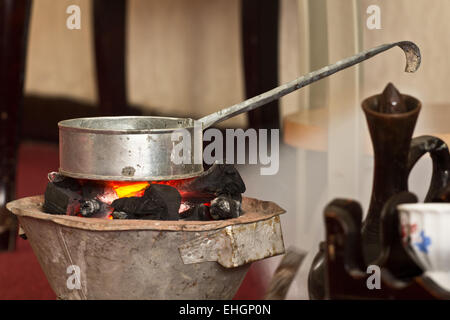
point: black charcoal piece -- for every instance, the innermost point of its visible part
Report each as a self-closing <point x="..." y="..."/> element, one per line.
<point x="167" y="195"/>
<point x="225" y="207"/>
<point x="138" y="207"/>
<point x="219" y="179"/>
<point x="122" y="215"/>
<point x="64" y="182"/>
<point x="60" y="200"/>
<point x="90" y="207"/>
<point x="195" y="198"/>
<point x="159" y="202"/>
<point x="55" y="176"/>
<point x="92" y="189"/>
<point x="198" y="212"/>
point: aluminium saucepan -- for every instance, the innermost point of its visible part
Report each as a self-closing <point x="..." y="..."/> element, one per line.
<point x="141" y="148"/>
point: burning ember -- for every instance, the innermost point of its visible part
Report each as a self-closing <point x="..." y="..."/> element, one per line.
<point x="127" y="189"/>
<point x="214" y="195"/>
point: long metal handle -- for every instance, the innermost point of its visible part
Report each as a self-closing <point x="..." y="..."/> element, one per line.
<point x="413" y="59"/>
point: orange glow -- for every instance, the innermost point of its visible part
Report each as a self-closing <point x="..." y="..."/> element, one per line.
<point x="123" y="189"/>
<point x="127" y="189"/>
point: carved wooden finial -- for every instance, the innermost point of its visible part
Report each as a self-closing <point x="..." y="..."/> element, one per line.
<point x="391" y="100"/>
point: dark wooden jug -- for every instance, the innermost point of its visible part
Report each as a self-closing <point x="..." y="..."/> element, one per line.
<point x="391" y="118"/>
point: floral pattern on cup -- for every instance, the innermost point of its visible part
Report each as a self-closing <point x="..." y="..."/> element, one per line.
<point x="423" y="244"/>
<point x="425" y="232"/>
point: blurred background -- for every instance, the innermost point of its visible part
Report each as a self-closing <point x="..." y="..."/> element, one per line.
<point x="191" y="58"/>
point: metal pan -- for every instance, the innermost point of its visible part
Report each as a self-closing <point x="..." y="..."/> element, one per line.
<point x="141" y="148"/>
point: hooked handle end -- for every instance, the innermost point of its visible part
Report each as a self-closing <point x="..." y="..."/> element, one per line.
<point x="412" y="53"/>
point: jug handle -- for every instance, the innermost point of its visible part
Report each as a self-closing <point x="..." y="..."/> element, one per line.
<point x="440" y="156"/>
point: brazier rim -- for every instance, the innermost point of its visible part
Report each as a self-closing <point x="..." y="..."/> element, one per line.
<point x="254" y="210"/>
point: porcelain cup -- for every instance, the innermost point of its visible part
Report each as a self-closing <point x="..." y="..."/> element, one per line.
<point x="425" y="229"/>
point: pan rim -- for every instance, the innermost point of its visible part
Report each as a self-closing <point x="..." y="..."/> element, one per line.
<point x="91" y="176"/>
<point x="71" y="125"/>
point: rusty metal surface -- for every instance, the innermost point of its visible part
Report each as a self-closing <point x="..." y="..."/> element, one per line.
<point x="243" y="243"/>
<point x="134" y="261"/>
